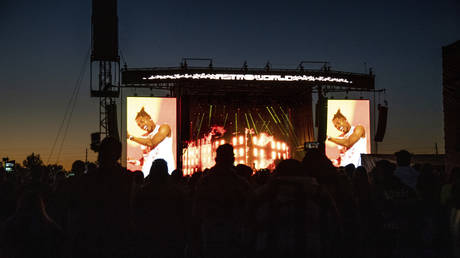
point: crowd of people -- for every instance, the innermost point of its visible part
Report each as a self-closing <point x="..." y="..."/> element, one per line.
<point x="300" y="209"/>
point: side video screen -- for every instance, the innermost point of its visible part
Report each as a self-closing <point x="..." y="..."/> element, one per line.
<point x="151" y="132"/>
<point x="348" y="131"/>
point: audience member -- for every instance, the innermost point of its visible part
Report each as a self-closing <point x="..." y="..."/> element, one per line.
<point x="404" y="171"/>
<point x="220" y="207"/>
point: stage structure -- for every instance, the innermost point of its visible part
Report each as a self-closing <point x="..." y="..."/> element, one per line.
<point x="105" y="67"/>
<point x="266" y="114"/>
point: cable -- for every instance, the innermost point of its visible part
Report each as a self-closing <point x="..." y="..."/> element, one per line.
<point x="69" y="109"/>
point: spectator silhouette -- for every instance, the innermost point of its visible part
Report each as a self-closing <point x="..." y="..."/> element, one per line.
<point x="350" y="170"/>
<point x="159" y="215"/>
<point x="397" y="211"/>
<point x="78" y="167"/>
<point x="429" y="189"/>
<point x="294" y="216"/>
<point x="404" y="171"/>
<point x="30" y="232"/>
<point x="103" y="206"/>
<point x="244" y="171"/>
<point x="220" y="207"/>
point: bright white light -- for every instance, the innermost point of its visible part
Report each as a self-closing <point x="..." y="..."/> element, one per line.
<point x="241" y="139"/>
<point x="255" y="152"/>
<point x="273" y="155"/>
<point x="241" y="152"/>
<point x="254" y="140"/>
<point x="249" y="77"/>
<point x="222" y="142"/>
<point x="234" y="141"/>
<point x="283" y="146"/>
<point x="278" y="145"/>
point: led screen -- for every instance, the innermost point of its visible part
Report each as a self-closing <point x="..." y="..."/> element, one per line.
<point x="348" y="131"/>
<point x="151" y="132"/>
<point x="260" y="134"/>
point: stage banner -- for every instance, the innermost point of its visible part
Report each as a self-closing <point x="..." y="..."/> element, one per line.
<point x="151" y="132"/>
<point x="348" y="131"/>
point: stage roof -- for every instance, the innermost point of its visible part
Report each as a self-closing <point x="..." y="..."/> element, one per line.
<point x="211" y="81"/>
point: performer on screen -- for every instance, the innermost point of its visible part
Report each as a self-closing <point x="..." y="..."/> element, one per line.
<point x="352" y="142"/>
<point x="156" y="143"/>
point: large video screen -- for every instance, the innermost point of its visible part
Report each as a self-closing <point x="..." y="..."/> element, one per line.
<point x="348" y="131"/>
<point x="151" y="132"/>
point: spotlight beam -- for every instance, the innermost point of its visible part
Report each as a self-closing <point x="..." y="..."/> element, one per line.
<point x="225" y="120"/>
<point x="254" y="124"/>
<point x="265" y="124"/>
<point x="290" y="126"/>
<point x="199" y="128"/>
<point x="210" y="115"/>
<point x="247" y="120"/>
<point x="236" y="123"/>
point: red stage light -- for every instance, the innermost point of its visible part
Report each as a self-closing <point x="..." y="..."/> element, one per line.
<point x="200" y="154"/>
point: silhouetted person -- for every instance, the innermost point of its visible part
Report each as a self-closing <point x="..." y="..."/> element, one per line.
<point x="350" y="170"/>
<point x="404" y="171"/>
<point x="294" y="216"/>
<point x="159" y="215"/>
<point x="78" y="167"/>
<point x="177" y="177"/>
<point x="57" y="205"/>
<point x="7" y="195"/>
<point x="363" y="196"/>
<point x="398" y="214"/>
<point x="220" y="208"/>
<point x="429" y="189"/>
<point x="244" y="171"/>
<point x="30" y="232"/>
<point x="103" y="207"/>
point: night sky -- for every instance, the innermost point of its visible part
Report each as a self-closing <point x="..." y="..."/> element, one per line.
<point x="44" y="45"/>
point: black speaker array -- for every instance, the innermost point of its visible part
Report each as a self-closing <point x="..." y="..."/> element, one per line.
<point x="321" y="119"/>
<point x="104" y="22"/>
<point x="112" y="123"/>
<point x="382" y="123"/>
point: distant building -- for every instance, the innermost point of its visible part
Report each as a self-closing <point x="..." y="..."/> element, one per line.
<point x="451" y="102"/>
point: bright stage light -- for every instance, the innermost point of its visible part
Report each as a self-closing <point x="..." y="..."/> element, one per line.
<point x="249" y="77"/>
<point x="201" y="153"/>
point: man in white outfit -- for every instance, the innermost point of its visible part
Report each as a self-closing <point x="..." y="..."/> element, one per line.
<point x="351" y="143"/>
<point x="156" y="143"/>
